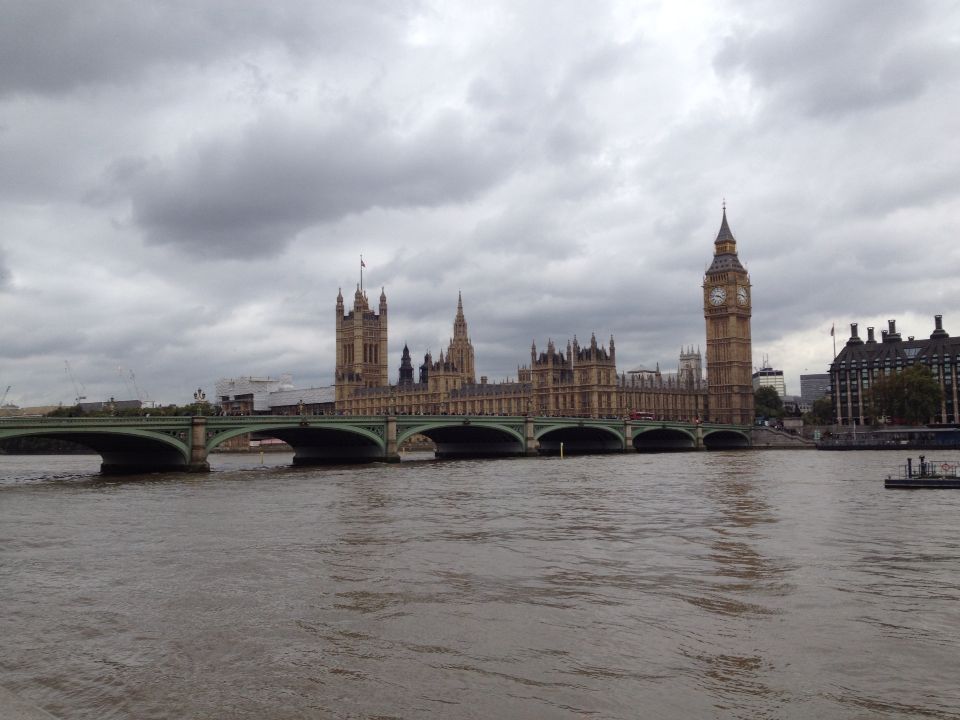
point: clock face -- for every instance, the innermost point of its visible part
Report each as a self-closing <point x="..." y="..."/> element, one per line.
<point x="742" y="295"/>
<point x="717" y="296"/>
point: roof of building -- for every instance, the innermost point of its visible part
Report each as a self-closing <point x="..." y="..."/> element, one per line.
<point x="308" y="396"/>
<point x="767" y="372"/>
<point x="725" y="261"/>
<point x="724" y="235"/>
<point x="502" y="388"/>
<point x="892" y="348"/>
<point x="14" y="411"/>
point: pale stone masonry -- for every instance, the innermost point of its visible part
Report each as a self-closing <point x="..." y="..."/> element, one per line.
<point x="361" y="345"/>
<point x="727" y="307"/>
<point x="581" y="381"/>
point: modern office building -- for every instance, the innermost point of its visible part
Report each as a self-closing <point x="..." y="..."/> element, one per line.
<point x="248" y="395"/>
<point x="768" y="377"/>
<point x="272" y="396"/>
<point x="812" y="388"/>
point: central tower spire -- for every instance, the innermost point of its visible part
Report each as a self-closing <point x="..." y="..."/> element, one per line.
<point x="460" y="322"/>
<point x="460" y="351"/>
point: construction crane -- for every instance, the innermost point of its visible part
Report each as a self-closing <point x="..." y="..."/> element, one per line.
<point x="4" y="398"/>
<point x="141" y="395"/>
<point x="78" y="389"/>
<point x="123" y="378"/>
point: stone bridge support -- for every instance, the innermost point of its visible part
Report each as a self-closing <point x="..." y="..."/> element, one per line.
<point x="530" y="443"/>
<point x="198" y="445"/>
<point x="391" y="452"/>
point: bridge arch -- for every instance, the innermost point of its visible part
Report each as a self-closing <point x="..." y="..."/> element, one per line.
<point x="664" y="439"/>
<point x="123" y="450"/>
<point x="313" y="444"/>
<point x="579" y="438"/>
<point x="466" y="437"/>
<point x="726" y="439"/>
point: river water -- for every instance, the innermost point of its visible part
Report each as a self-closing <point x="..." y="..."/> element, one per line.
<point x="775" y="584"/>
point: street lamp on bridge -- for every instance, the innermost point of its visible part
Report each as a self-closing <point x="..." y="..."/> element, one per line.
<point x="200" y="400"/>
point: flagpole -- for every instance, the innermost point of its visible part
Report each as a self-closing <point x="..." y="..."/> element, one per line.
<point x="833" y="334"/>
<point x="361" y="275"/>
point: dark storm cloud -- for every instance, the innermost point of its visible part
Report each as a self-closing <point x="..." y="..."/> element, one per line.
<point x="54" y="46"/>
<point x="250" y="196"/>
<point x="826" y="58"/>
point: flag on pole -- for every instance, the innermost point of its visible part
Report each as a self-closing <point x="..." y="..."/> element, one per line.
<point x="831" y="330"/>
<point x="362" y="263"/>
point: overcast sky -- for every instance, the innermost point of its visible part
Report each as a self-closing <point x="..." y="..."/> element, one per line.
<point x="184" y="186"/>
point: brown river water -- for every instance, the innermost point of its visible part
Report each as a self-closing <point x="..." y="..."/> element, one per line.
<point x="775" y="584"/>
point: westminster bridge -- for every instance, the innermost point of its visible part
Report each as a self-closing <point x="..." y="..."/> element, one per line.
<point x="152" y="444"/>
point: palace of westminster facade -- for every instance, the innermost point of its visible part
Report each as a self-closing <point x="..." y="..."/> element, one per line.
<point x="578" y="381"/>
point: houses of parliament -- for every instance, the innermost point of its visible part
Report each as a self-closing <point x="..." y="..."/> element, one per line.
<point x="575" y="381"/>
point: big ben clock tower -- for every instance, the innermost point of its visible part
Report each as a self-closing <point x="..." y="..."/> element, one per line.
<point x="727" y="309"/>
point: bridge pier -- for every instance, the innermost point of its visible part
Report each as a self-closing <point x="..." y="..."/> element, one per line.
<point x="198" y="445"/>
<point x="531" y="446"/>
<point x="628" y="437"/>
<point x="391" y="452"/>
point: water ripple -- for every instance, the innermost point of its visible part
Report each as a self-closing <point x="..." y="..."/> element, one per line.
<point x="774" y="584"/>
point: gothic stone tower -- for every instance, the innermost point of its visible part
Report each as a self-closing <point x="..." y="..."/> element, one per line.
<point x="460" y="350"/>
<point x="727" y="309"/>
<point x="406" y="368"/>
<point x="361" y="345"/>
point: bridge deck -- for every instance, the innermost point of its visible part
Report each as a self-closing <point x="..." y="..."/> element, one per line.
<point x="163" y="443"/>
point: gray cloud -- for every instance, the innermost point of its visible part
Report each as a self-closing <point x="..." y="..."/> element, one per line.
<point x="249" y="197"/>
<point x="184" y="190"/>
<point x="55" y="46"/>
<point x="827" y="58"/>
<point x="5" y="275"/>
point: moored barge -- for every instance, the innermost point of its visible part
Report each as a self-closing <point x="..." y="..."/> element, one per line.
<point x="925" y="474"/>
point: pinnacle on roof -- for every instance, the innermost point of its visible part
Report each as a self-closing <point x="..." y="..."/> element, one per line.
<point x="725" y="235"/>
<point x="725" y="249"/>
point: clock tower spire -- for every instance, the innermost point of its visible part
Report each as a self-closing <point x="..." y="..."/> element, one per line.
<point x="727" y="309"/>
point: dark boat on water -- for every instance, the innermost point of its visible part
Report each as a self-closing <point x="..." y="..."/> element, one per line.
<point x="926" y="474"/>
<point x="929" y="437"/>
